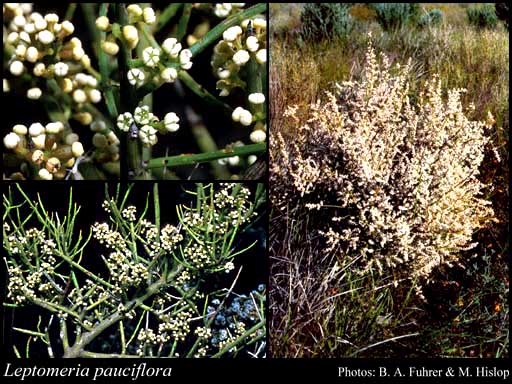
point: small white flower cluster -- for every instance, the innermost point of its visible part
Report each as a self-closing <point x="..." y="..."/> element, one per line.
<point x="178" y="325"/>
<point x="110" y="238"/>
<point x="147" y="124"/>
<point x="130" y="213"/>
<point x="39" y="40"/>
<point x="48" y="148"/>
<point x="124" y="272"/>
<point x="224" y="10"/>
<point x="403" y="176"/>
<point x="238" y="45"/>
<point x="161" y="65"/>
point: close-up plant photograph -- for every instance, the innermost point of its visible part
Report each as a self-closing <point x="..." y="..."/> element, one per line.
<point x="154" y="270"/>
<point x="152" y="91"/>
<point x="389" y="180"/>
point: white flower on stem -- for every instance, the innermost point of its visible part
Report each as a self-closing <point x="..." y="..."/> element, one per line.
<point x="39" y="141"/>
<point x="16" y="68"/>
<point x="124" y="121"/>
<point x="142" y="115"/>
<point x="241" y="57"/>
<point x="94" y="95"/>
<point x="52" y="18"/>
<point x="223" y="73"/>
<point x="20" y="129"/>
<point x="185" y="57"/>
<point x="169" y="75"/>
<point x="134" y="10"/>
<point x="36" y="129"/>
<point x="32" y="54"/>
<point x="34" y="93"/>
<point x="79" y="96"/>
<point x="78" y="53"/>
<point x="44" y="174"/>
<point x="242" y="115"/>
<point x="236" y="114"/>
<point x="149" y="16"/>
<point x="232" y="33"/>
<point x="252" y="43"/>
<point x="45" y="37"/>
<point x="54" y="127"/>
<point x="234" y="160"/>
<point x="77" y="149"/>
<point x="258" y="136"/>
<point x="222" y="9"/>
<point x="29" y="28"/>
<point x="40" y="24"/>
<point x="259" y="23"/>
<point x="151" y="56"/>
<point x="171" y="47"/>
<point x="103" y="23"/>
<point x="37" y="156"/>
<point x="39" y="69"/>
<point x="251" y="159"/>
<point x="67" y="27"/>
<point x="131" y="35"/>
<point x="110" y="48"/>
<point x="261" y="56"/>
<point x="20" y="51"/>
<point x="171" y="121"/>
<point x="61" y="69"/>
<point x="136" y="77"/>
<point x="229" y="266"/>
<point x="52" y="165"/>
<point x="147" y="134"/>
<point x="256" y="98"/>
<point x="11" y="140"/>
<point x="13" y="37"/>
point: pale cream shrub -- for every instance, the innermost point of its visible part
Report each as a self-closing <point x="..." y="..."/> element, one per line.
<point x="399" y="178"/>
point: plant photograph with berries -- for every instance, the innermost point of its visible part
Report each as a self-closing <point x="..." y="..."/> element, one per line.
<point x="173" y="91"/>
<point x="389" y="180"/>
<point x="156" y="270"/>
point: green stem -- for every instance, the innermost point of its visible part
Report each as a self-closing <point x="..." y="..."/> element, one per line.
<point x="183" y="23"/>
<point x="90" y="19"/>
<point x="70" y="11"/>
<point x="234" y="343"/>
<point x="167" y="15"/>
<point x="216" y="33"/>
<point x="156" y="201"/>
<point x="179" y="160"/>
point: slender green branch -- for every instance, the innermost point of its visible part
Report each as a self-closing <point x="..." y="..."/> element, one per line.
<point x="234" y="343"/>
<point x="198" y="89"/>
<point x="70" y="11"/>
<point x="167" y="14"/>
<point x="183" y="23"/>
<point x="174" y="161"/>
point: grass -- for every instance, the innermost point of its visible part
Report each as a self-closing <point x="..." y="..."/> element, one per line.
<point x="319" y="311"/>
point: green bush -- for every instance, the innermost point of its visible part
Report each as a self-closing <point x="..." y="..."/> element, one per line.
<point x="325" y="21"/>
<point x="482" y="16"/>
<point x="432" y="18"/>
<point x="393" y="16"/>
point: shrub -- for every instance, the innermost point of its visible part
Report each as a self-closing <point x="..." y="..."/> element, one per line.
<point x="482" y="16"/>
<point x="325" y="21"/>
<point x="432" y="18"/>
<point x="398" y="181"/>
<point x="502" y="12"/>
<point x="392" y="16"/>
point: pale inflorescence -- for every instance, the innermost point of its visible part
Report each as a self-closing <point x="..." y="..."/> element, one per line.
<point x="399" y="180"/>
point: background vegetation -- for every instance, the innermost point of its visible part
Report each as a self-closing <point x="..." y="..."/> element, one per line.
<point x="466" y="312"/>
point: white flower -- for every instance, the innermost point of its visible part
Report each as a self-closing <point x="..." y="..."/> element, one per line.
<point x="39" y="69"/>
<point x="258" y="136"/>
<point x="169" y="75"/>
<point x="39" y="141"/>
<point x="45" y="175"/>
<point x="61" y="69"/>
<point x="51" y="18"/>
<point x="252" y="43"/>
<point x="11" y="140"/>
<point x="36" y="129"/>
<point x="147" y="134"/>
<point x="112" y="138"/>
<point x="234" y="160"/>
<point x="20" y="51"/>
<point x="81" y="78"/>
<point x="110" y="48"/>
<point x="79" y="96"/>
<point x="20" y="129"/>
<point x="54" y="127"/>
<point x="134" y="10"/>
<point x="171" y="47"/>
<point x="131" y="35"/>
<point x="78" y="53"/>
<point x="32" y="54"/>
<point x="256" y="98"/>
<point x="222" y="9"/>
<point x="19" y="21"/>
<point x="12" y="38"/>
<point x="185" y="57"/>
<point x="68" y="27"/>
<point x="103" y="23"/>
<point x="242" y="115"/>
<point x="77" y="149"/>
<point x="171" y="121"/>
<point x="261" y="56"/>
<point x="186" y="66"/>
<point x="124" y="121"/>
<point x="236" y="114"/>
<point x="29" y="28"/>
<point x="241" y="57"/>
<point x="251" y="159"/>
<point x="45" y="37"/>
<point x="40" y="24"/>
<point x="16" y="68"/>
<point x="149" y="15"/>
<point x="34" y="93"/>
<point x="223" y="73"/>
<point x="232" y="33"/>
<point x="37" y="156"/>
<point x="142" y="115"/>
<point x="94" y="95"/>
<point x="136" y="77"/>
<point x="229" y="266"/>
<point x="151" y="56"/>
<point x="259" y="23"/>
<point x="53" y="165"/>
